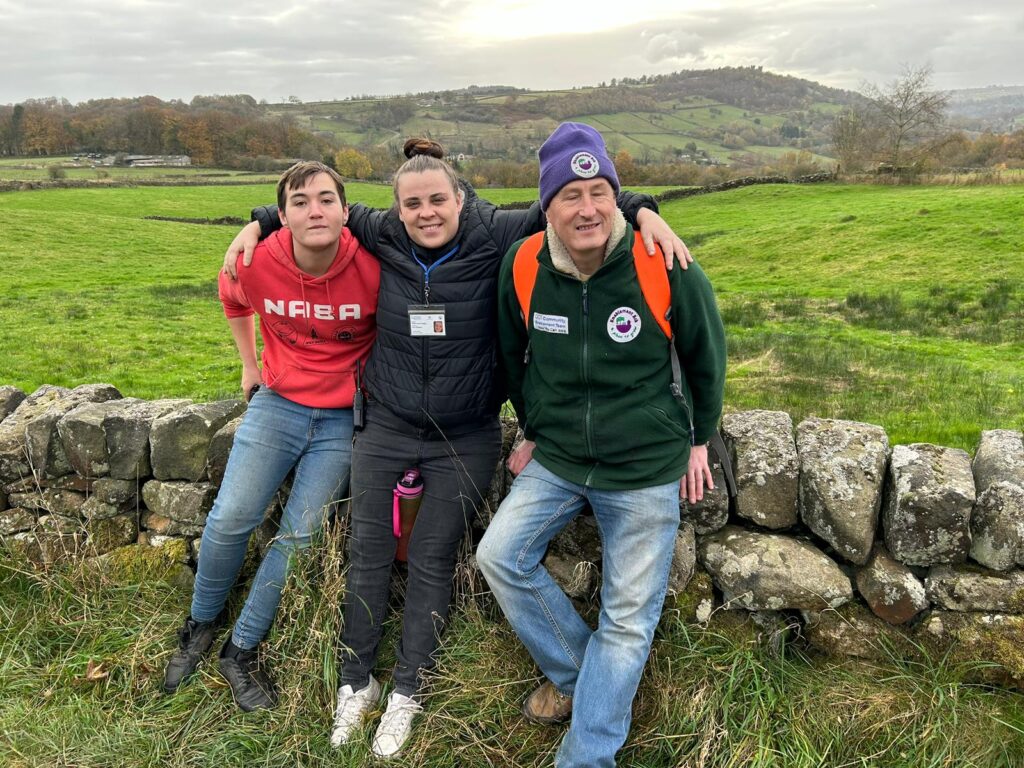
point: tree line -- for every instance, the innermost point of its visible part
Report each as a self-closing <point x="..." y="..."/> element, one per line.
<point x="228" y="131"/>
<point x="902" y="128"/>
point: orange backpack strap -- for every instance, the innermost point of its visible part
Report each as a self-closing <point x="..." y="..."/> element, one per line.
<point x="653" y="279"/>
<point x="524" y="272"/>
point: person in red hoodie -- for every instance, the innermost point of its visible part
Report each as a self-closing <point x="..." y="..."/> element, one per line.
<point x="315" y="291"/>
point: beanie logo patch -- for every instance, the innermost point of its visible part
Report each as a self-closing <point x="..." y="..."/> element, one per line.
<point x="624" y="325"/>
<point x="584" y="165"/>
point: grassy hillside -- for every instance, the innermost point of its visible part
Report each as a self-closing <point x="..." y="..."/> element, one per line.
<point x="728" y="113"/>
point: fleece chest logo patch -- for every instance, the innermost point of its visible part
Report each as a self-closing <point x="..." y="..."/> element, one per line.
<point x="584" y="165"/>
<point x="623" y="324"/>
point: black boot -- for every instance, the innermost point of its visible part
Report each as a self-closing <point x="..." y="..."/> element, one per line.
<point x="251" y="686"/>
<point x="194" y="640"/>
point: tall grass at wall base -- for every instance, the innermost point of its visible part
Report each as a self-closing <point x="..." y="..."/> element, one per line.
<point x="82" y="656"/>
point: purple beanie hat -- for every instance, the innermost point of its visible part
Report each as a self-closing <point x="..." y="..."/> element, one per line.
<point x="573" y="151"/>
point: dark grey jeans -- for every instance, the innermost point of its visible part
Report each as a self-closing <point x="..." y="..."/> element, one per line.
<point x="456" y="474"/>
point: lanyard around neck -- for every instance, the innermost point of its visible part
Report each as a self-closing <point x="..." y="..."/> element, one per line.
<point x="428" y="269"/>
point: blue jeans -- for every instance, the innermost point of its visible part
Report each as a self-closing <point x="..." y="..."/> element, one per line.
<point x="275" y="436"/>
<point x="600" y="669"/>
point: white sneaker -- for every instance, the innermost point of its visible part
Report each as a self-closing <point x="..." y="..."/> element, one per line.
<point x="352" y="706"/>
<point x="395" y="725"/>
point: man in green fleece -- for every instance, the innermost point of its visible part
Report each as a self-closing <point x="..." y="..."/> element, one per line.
<point x="590" y="374"/>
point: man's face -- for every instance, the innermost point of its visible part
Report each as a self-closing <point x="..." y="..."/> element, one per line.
<point x="314" y="214"/>
<point x="581" y="214"/>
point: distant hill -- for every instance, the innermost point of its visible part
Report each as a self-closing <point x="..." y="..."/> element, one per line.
<point x="740" y="116"/>
<point x="709" y="116"/>
<point x="998" y="108"/>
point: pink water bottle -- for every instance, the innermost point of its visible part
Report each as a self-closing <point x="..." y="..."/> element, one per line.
<point x="407" y="495"/>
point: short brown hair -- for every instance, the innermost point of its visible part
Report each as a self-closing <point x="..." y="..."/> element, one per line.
<point x="299" y="174"/>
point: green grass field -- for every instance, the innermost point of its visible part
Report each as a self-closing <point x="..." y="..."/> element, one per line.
<point x="901" y="306"/>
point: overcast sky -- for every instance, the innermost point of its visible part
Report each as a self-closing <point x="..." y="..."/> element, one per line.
<point x="331" y="49"/>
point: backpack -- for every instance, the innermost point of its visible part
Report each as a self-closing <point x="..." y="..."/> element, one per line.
<point x="657" y="293"/>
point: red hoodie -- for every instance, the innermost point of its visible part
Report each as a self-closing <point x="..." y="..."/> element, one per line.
<point x="315" y="330"/>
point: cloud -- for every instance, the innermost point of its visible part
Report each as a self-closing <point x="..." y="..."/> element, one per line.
<point x="327" y="49"/>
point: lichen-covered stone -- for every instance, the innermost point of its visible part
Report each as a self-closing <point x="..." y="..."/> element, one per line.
<point x="16" y="520"/>
<point x="684" y="558"/>
<point x="929" y="496"/>
<point x="765" y="462"/>
<point x="185" y="503"/>
<point x="577" y="578"/>
<point x="999" y="458"/>
<point x="10" y="398"/>
<point x="842" y="472"/>
<point x="166" y="526"/>
<point x="967" y="588"/>
<point x="58" y="524"/>
<point x="14" y="460"/>
<point x="51" y="501"/>
<point x="180" y="440"/>
<point x="23" y="547"/>
<point x="852" y="630"/>
<point x="56" y="546"/>
<point x="66" y="483"/>
<point x="127" y="432"/>
<point x="110" y="490"/>
<point x="37" y="419"/>
<point x="108" y="533"/>
<point x="97" y="509"/>
<point x="761" y="571"/>
<point x="891" y="589"/>
<point x="220" y="448"/>
<point x="711" y="513"/>
<point x="967" y="638"/>
<point x="110" y="498"/>
<point x="997" y="526"/>
<point x="83" y="436"/>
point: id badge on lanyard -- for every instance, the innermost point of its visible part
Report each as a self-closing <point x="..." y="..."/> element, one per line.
<point x="427" y="320"/>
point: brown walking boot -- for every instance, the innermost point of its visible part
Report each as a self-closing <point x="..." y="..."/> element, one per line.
<point x="547" y="705"/>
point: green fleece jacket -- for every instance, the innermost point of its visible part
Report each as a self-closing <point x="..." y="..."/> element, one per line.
<point x="590" y="384"/>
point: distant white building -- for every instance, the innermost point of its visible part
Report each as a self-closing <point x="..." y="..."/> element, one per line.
<point x="148" y="161"/>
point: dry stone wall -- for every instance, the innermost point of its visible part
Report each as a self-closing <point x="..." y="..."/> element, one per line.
<point x="856" y="546"/>
<point x="85" y="472"/>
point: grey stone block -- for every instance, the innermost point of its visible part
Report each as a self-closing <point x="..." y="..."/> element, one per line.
<point x="760" y="571"/>
<point x="765" y="460"/>
<point x="842" y="472"/>
<point x="960" y="588"/>
<point x="891" y="589"/>
<point x="179" y="441"/>
<point x="997" y="526"/>
<point x="127" y="434"/>
<point x="929" y="496"/>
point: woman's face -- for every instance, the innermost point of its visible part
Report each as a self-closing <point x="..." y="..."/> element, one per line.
<point x="428" y="207"/>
